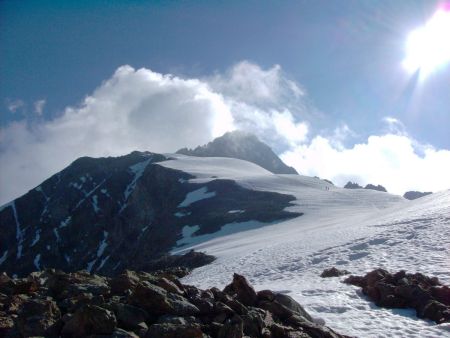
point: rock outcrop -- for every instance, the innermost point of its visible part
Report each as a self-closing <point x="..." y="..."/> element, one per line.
<point x="352" y="185"/>
<point x="412" y="195"/>
<point x="52" y="303"/>
<point x="333" y="272"/>
<point x="375" y="187"/>
<point x="426" y="295"/>
<point x="243" y="146"/>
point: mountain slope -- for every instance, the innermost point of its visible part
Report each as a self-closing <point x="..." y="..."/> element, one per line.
<point x="356" y="230"/>
<point x="244" y="146"/>
<point x="108" y="214"/>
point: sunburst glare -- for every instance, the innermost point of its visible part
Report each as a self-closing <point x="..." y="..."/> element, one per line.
<point x="428" y="47"/>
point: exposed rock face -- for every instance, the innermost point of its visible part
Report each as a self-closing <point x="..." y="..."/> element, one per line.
<point x="426" y="295"/>
<point x="243" y="146"/>
<point x="352" y="185"/>
<point x="151" y="306"/>
<point x="87" y="215"/>
<point x="375" y="187"/>
<point x="333" y="272"/>
<point x="412" y="195"/>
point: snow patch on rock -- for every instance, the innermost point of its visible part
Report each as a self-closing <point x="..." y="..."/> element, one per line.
<point x="195" y="196"/>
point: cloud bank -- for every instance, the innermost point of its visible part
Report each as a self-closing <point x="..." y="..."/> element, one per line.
<point x="144" y="110"/>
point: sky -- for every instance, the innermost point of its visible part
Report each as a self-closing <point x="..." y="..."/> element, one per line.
<point x="323" y="82"/>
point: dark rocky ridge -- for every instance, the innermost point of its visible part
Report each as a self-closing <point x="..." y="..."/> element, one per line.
<point x="107" y="214"/>
<point x="52" y="303"/>
<point x="354" y="185"/>
<point x="243" y="146"/>
<point x="412" y="195"/>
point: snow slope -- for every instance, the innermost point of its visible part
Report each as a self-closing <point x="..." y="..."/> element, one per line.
<point x="357" y="230"/>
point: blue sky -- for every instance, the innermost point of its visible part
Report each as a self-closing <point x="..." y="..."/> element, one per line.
<point x="344" y="56"/>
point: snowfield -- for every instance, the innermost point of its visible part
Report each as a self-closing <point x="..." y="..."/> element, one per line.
<point x="357" y="230"/>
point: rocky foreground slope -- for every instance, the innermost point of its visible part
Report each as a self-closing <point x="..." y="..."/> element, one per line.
<point x="52" y="303"/>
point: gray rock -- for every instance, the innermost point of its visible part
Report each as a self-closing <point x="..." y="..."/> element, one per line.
<point x="88" y="320"/>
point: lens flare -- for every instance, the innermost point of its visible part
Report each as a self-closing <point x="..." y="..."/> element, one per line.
<point x="428" y="47"/>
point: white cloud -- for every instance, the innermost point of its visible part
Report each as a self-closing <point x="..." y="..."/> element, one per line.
<point x="14" y="105"/>
<point x="248" y="83"/>
<point x="394" y="126"/>
<point x="390" y="160"/>
<point x="133" y="110"/>
<point x="144" y="110"/>
<point x="265" y="102"/>
<point x="39" y="106"/>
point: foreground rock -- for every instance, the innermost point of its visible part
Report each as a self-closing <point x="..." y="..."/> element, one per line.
<point x="412" y="195"/>
<point x="333" y="272"/>
<point x="426" y="295"/>
<point x="138" y="304"/>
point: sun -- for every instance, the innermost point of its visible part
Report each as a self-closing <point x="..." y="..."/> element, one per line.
<point x="428" y="47"/>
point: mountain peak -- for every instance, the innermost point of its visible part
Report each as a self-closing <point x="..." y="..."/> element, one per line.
<point x="244" y="146"/>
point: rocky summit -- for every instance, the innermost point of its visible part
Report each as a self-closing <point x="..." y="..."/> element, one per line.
<point x="243" y="146"/>
<point x="52" y="303"/>
<point x="107" y="214"/>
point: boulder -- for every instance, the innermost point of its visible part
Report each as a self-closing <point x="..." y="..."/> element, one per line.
<point x="63" y="286"/>
<point x="39" y="317"/>
<point x="441" y="294"/>
<point x="125" y="281"/>
<point x="292" y="305"/>
<point x="155" y="300"/>
<point x="282" y="331"/>
<point x="425" y="294"/>
<point x="168" y="330"/>
<point x="255" y="321"/>
<point x="232" y="328"/>
<point x="169" y="286"/>
<point x="119" y="333"/>
<point x="130" y="317"/>
<point x="333" y="272"/>
<point x="241" y="290"/>
<point x="89" y="320"/>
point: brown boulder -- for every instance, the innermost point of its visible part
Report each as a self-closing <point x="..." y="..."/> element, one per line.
<point x="155" y="300"/>
<point x="130" y="317"/>
<point x="232" y="328"/>
<point x="241" y="290"/>
<point x="169" y="286"/>
<point x="333" y="272"/>
<point x="89" y="320"/>
<point x="125" y="281"/>
<point x="168" y="330"/>
<point x="441" y="294"/>
<point x="255" y="321"/>
<point x="292" y="305"/>
<point x="436" y="311"/>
